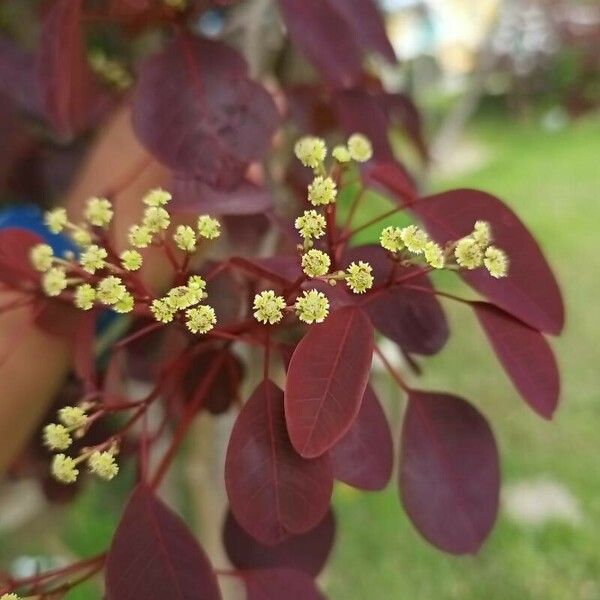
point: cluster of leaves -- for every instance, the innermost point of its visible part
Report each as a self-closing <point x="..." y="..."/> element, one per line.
<point x="198" y="111"/>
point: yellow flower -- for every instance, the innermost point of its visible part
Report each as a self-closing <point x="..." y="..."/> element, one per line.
<point x="196" y="283"/>
<point x="208" y="227"/>
<point x="200" y="319"/>
<point x="162" y="312"/>
<point x="93" y="259"/>
<point x="64" y="469"/>
<point x="496" y="262"/>
<point x="322" y="191"/>
<point x="311" y="224"/>
<point x="315" y="263"/>
<point x="54" y="281"/>
<point x="391" y="239"/>
<point x="360" y="147"/>
<point x="156" y="218"/>
<point x="41" y="256"/>
<point x="434" y="255"/>
<point x="72" y="416"/>
<point x="341" y="154"/>
<point x="312" y="307"/>
<point x="268" y="307"/>
<point x="359" y="278"/>
<point x="185" y="238"/>
<point x="56" y="437"/>
<point x="482" y="233"/>
<point x="139" y="237"/>
<point x="85" y="295"/>
<point x="131" y="260"/>
<point x="157" y="197"/>
<point x="124" y="304"/>
<point x="311" y="151"/>
<point x="81" y="237"/>
<point x="10" y="597"/>
<point x="56" y="220"/>
<point x="98" y="212"/>
<point x="414" y="238"/>
<point x="103" y="465"/>
<point x="468" y="253"/>
<point x="181" y="297"/>
<point x="110" y="290"/>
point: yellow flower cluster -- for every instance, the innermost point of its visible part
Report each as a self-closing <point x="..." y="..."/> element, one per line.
<point x="414" y="240"/>
<point x="322" y="191"/>
<point x="359" y="277"/>
<point x="312" y="307"/>
<point x="268" y="307"/>
<point x="315" y="263"/>
<point x="310" y="225"/>
<point x="111" y="70"/>
<point x="475" y="250"/>
<point x="10" y="597"/>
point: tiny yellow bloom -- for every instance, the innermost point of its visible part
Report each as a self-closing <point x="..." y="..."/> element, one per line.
<point x="315" y="263"/>
<point x="208" y="227"/>
<point x="56" y="219"/>
<point x="93" y="259"/>
<point x="56" y="437"/>
<point x="156" y="219"/>
<point x="496" y="262"/>
<point x="103" y="465"/>
<point x="162" y="312"/>
<point x="197" y="287"/>
<point x="434" y="255"/>
<point x="185" y="238"/>
<point x="391" y="239"/>
<point x="268" y="307"/>
<point x="124" y="304"/>
<point x="482" y="233"/>
<point x="311" y="151"/>
<point x="415" y="238"/>
<point x="64" y="469"/>
<point x="181" y="297"/>
<point x="85" y="295"/>
<point x="341" y="154"/>
<point x="311" y="224"/>
<point x="360" y="147"/>
<point x="359" y="277"/>
<point x="110" y="290"/>
<point x="72" y="416"/>
<point x="312" y="307"/>
<point x="54" y="281"/>
<point x="200" y="319"/>
<point x="41" y="256"/>
<point x="157" y="197"/>
<point x="82" y="237"/>
<point x="131" y="260"/>
<point x="139" y="237"/>
<point x="10" y="597"/>
<point x="468" y="253"/>
<point x="322" y="191"/>
<point x="98" y="212"/>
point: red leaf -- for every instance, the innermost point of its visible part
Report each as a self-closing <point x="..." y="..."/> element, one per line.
<point x="153" y="556"/>
<point x="273" y="491"/>
<point x="307" y="552"/>
<point x="275" y="584"/>
<point x="15" y="266"/>
<point x="211" y="120"/>
<point x="449" y="472"/>
<point x="84" y="357"/>
<point x="364" y="457"/>
<point x="525" y="355"/>
<point x="530" y="292"/>
<point x="192" y="195"/>
<point x="71" y="96"/>
<point x="326" y="380"/>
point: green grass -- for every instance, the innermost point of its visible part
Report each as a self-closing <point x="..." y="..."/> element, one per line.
<point x="552" y="180"/>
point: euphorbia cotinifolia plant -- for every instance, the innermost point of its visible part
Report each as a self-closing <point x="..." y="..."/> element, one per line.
<point x="269" y="173"/>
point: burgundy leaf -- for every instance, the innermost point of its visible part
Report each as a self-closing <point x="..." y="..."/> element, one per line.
<point x="58" y="317"/>
<point x="307" y="552"/>
<point x="401" y="108"/>
<point x="326" y="380"/>
<point x="84" y="357"/>
<point x="198" y="112"/>
<point x="364" y="457"/>
<point x="530" y="292"/>
<point x="525" y="355"/>
<point x="17" y="77"/>
<point x="15" y="266"/>
<point x="275" y="584"/>
<point x="192" y="195"/>
<point x="449" y="472"/>
<point x="391" y="178"/>
<point x="273" y="491"/>
<point x="70" y="95"/>
<point x="154" y="556"/>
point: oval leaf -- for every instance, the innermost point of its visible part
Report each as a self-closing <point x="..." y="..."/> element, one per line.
<point x="272" y="490"/>
<point x="154" y="556"/>
<point x="326" y="380"/>
<point x="15" y="265"/>
<point x="525" y="355"/>
<point x="307" y="552"/>
<point x="275" y="584"/>
<point x="449" y="472"/>
<point x="364" y="457"/>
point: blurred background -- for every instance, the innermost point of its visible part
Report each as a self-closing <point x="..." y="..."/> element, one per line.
<point x="509" y="92"/>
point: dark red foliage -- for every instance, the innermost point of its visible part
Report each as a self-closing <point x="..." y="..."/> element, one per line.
<point x="273" y="491"/>
<point x="154" y="556"/>
<point x="525" y="355"/>
<point x="210" y="120"/>
<point x="15" y="266"/>
<point x="307" y="552"/>
<point x="449" y="473"/>
<point x="326" y="380"/>
<point x="274" y="584"/>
